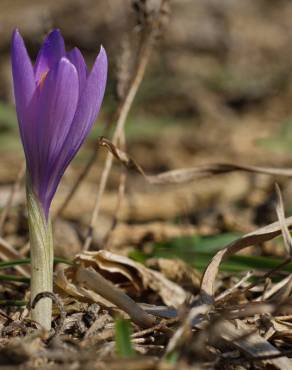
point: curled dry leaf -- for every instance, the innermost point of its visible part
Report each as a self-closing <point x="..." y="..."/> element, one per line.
<point x="131" y="276"/>
<point x="184" y="175"/>
<point x="241" y="336"/>
<point x="256" y="237"/>
<point x="251" y="343"/>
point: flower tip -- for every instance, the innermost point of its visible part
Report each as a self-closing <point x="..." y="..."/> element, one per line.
<point x="102" y="57"/>
<point x="56" y="31"/>
<point x="65" y="61"/>
<point x="54" y="38"/>
<point x="65" y="64"/>
<point x="102" y="51"/>
<point x="54" y="35"/>
<point x="15" y="34"/>
<point x="74" y="51"/>
<point x="16" y="42"/>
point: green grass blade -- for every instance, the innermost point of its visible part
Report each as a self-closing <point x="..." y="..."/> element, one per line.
<point x="198" y="252"/>
<point x="123" y="338"/>
<point x="19" y="279"/>
<point x="26" y="261"/>
<point x="11" y="303"/>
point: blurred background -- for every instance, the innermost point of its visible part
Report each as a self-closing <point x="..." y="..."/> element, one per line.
<point x="218" y="88"/>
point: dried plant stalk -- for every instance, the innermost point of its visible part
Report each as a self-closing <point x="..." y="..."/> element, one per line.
<point x="123" y="113"/>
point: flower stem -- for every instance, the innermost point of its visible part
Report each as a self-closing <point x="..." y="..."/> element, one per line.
<point x="42" y="255"/>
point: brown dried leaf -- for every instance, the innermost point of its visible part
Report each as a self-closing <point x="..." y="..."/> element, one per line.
<point x="64" y="282"/>
<point x="184" y="175"/>
<point x="116" y="268"/>
<point x="281" y="217"/>
<point x="256" y="237"/>
<point x="252" y="344"/>
<point x="171" y="293"/>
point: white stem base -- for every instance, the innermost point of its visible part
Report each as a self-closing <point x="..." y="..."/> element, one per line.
<point x="41" y="252"/>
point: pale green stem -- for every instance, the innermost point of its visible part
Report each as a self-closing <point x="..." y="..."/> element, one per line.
<point x="42" y="255"/>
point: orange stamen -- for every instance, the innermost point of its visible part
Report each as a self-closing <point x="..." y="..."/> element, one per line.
<point x="42" y="79"/>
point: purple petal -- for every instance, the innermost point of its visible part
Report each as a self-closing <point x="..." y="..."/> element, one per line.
<point x="77" y="59"/>
<point x="24" y="85"/>
<point x="55" y="104"/>
<point x="52" y="50"/>
<point x="86" y="113"/>
<point x="89" y="102"/>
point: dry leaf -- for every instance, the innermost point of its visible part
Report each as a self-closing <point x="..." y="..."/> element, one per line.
<point x="281" y="217"/>
<point x="256" y="237"/>
<point x="139" y="275"/>
<point x="97" y="272"/>
<point x="252" y="344"/>
<point x="184" y="175"/>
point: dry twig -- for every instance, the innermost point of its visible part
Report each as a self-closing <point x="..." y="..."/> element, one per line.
<point x="106" y="289"/>
<point x="150" y="35"/>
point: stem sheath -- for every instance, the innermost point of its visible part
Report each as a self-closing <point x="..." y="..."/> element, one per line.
<point x="42" y="255"/>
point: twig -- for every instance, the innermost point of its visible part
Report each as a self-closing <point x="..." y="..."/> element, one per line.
<point x="269" y="273"/>
<point x="121" y="194"/>
<point x="143" y="60"/>
<point x="285" y="353"/>
<point x="95" y="281"/>
<point x="80" y="178"/>
<point x="124" y="75"/>
<point x="162" y="326"/>
<point x="235" y="287"/>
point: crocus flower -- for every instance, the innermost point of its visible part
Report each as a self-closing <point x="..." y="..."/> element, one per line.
<point x="57" y="102"/>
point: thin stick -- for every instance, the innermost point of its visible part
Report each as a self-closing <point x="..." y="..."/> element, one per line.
<point x="121" y="194"/>
<point x="95" y="281"/>
<point x="123" y="113"/>
<point x="13" y="191"/>
<point x="262" y="278"/>
<point x="235" y="287"/>
<point x="115" y="221"/>
<point x="81" y="177"/>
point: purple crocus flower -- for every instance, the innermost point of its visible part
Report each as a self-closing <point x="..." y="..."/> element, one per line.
<point x="57" y="102"/>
